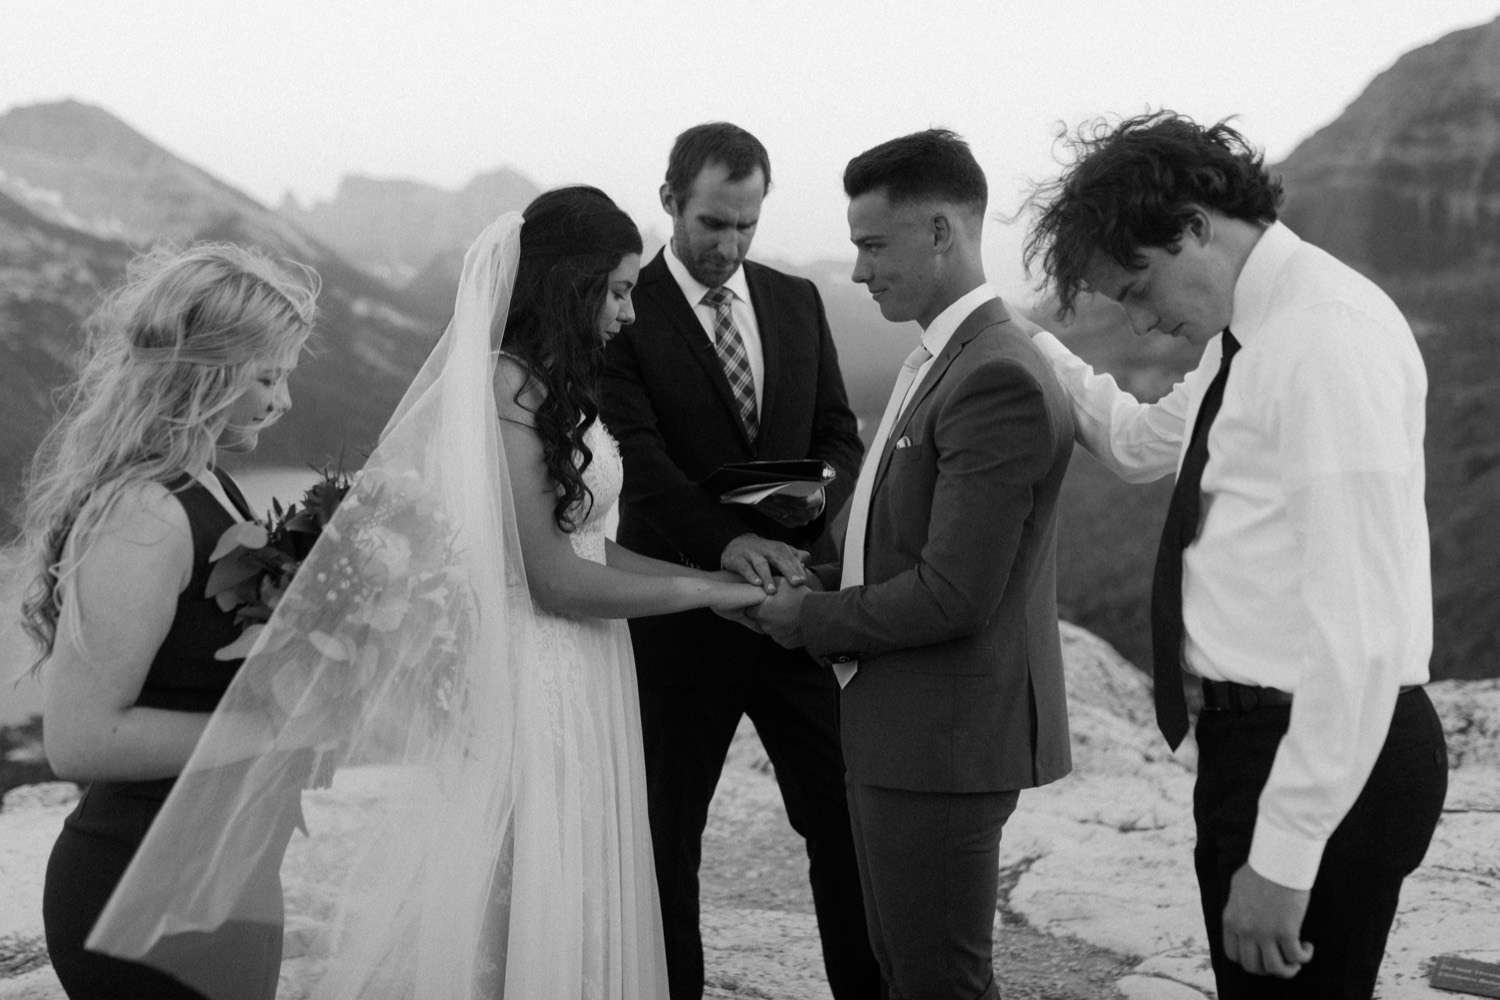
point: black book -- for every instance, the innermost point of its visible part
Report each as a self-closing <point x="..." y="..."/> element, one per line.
<point x="752" y="482"/>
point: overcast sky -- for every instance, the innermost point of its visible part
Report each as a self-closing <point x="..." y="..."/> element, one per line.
<point x="276" y="95"/>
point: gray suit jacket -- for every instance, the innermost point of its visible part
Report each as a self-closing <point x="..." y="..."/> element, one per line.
<point x="960" y="683"/>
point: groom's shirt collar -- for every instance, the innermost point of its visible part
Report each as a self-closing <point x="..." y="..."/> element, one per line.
<point x="941" y="329"/>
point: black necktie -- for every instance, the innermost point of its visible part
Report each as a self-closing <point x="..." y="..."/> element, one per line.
<point x="1166" y="586"/>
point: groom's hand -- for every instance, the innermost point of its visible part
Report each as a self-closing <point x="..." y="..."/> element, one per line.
<point x="780" y="616"/>
<point x="760" y="560"/>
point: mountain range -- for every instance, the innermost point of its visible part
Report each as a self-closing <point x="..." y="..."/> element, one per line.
<point x="1405" y="185"/>
<point x="80" y="192"/>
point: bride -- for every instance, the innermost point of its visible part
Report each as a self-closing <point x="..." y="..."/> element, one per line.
<point x="452" y="653"/>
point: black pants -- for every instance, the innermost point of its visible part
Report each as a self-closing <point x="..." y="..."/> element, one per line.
<point x="1380" y="841"/>
<point x="930" y="867"/>
<point x="687" y="734"/>
<point x="96" y="844"/>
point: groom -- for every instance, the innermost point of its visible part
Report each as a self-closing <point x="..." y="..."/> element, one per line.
<point x="944" y="634"/>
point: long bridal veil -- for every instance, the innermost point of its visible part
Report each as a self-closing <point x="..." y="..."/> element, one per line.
<point x="404" y="665"/>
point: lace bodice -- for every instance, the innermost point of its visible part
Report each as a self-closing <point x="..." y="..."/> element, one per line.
<point x="604" y="477"/>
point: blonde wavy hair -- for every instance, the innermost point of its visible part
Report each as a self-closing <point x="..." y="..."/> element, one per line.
<point x="167" y="354"/>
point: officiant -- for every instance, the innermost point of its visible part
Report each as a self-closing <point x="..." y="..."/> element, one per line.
<point x="732" y="361"/>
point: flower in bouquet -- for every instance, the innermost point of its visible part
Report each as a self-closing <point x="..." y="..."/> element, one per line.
<point x="372" y="623"/>
<point x="254" y="561"/>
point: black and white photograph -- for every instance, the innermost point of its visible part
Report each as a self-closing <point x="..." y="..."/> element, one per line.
<point x="828" y="501"/>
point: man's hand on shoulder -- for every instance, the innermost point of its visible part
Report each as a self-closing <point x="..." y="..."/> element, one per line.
<point x="1263" y="925"/>
<point x="760" y="560"/>
<point x="792" y="512"/>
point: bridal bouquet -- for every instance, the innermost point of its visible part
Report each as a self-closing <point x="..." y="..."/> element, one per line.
<point x="370" y="622"/>
<point x="254" y="561"/>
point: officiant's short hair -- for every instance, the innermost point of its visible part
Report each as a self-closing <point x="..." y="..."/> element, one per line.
<point x="935" y="164"/>
<point x="715" y="142"/>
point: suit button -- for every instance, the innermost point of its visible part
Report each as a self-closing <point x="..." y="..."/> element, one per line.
<point x="841" y="658"/>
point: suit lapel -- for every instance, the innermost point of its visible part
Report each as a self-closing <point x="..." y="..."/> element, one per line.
<point x="658" y="283"/>
<point x="991" y="313"/>
<point x="763" y="301"/>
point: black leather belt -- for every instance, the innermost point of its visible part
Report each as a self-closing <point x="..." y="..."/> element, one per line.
<point x="1227" y="696"/>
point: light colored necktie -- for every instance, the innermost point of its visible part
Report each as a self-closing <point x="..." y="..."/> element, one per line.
<point x="859" y="505"/>
<point x="731" y="350"/>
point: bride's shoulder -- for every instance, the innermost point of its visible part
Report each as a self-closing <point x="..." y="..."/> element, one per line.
<point x="518" y="392"/>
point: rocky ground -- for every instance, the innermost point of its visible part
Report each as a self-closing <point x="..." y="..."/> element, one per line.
<point x="1098" y="899"/>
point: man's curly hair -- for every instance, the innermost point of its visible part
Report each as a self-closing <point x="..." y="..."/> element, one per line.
<point x="1135" y="185"/>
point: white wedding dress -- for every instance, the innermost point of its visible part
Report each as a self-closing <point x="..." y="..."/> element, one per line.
<point x="486" y="834"/>
<point x="588" y="687"/>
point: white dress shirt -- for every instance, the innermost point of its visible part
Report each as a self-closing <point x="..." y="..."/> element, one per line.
<point x="739" y="309"/>
<point x="1311" y="571"/>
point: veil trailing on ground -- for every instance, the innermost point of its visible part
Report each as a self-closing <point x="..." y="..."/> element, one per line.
<point x="399" y="665"/>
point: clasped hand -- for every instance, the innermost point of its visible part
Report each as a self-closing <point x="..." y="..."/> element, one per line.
<point x="780" y="614"/>
<point x="778" y="568"/>
<point x="760" y="561"/>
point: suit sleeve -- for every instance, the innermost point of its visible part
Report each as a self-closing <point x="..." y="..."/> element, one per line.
<point x="994" y="441"/>
<point x="673" y="505"/>
<point x="835" y="436"/>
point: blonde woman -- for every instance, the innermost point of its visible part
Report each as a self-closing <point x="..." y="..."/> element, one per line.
<point x="187" y="360"/>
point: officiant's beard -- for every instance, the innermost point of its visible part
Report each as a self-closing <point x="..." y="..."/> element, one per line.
<point x="710" y="269"/>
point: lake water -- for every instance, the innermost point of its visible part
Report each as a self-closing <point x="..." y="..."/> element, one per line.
<point x="21" y="700"/>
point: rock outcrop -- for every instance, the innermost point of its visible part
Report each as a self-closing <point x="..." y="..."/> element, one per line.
<point x="1104" y="856"/>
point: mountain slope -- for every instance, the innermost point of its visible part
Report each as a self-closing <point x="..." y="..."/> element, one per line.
<point x="398" y="229"/>
<point x="1406" y="182"/>
<point x="80" y="190"/>
<point x="1405" y="185"/>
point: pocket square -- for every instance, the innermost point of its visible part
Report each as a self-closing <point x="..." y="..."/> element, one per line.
<point x="902" y="442"/>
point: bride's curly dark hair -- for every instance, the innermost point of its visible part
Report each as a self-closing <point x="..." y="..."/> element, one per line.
<point x="572" y="239"/>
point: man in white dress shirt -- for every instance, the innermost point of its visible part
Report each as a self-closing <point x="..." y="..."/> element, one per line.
<point x="1293" y="577"/>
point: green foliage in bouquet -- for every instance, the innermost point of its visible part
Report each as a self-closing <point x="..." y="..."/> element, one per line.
<point x="254" y="561"/>
<point x="381" y="613"/>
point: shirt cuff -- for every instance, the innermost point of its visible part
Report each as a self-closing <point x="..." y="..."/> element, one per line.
<point x="1285" y="858"/>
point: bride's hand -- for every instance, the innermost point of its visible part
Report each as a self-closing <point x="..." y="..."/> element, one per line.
<point x="736" y="596"/>
<point x="736" y="601"/>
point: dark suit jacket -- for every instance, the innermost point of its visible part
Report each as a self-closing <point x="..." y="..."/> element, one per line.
<point x="960" y="682"/>
<point x="668" y="403"/>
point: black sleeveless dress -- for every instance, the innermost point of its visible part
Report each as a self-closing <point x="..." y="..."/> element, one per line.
<point x="101" y="835"/>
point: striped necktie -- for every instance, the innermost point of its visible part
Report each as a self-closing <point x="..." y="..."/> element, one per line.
<point x="731" y="349"/>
